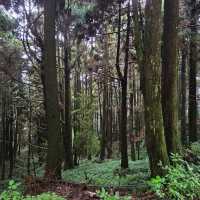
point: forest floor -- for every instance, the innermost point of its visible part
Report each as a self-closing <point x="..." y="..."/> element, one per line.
<point x="108" y="174"/>
<point x="84" y="181"/>
<point x="84" y="192"/>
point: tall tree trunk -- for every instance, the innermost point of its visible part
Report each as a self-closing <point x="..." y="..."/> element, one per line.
<point x="131" y="109"/>
<point x="54" y="153"/>
<point x="67" y="138"/>
<point x="11" y="140"/>
<point x="155" y="139"/>
<point x="110" y="121"/>
<point x="123" y="126"/>
<point x="170" y="76"/>
<point x="3" y="164"/>
<point x="183" y="94"/>
<point x="123" y="79"/>
<point x="77" y="96"/>
<point x="193" y="73"/>
<point x="104" y="122"/>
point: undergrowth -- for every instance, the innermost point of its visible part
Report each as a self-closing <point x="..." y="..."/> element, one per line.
<point x="13" y="192"/>
<point x="181" y="182"/>
<point x="108" y="174"/>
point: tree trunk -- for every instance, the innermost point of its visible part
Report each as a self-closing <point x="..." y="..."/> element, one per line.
<point x="123" y="126"/>
<point x="77" y="96"/>
<point x="54" y="153"/>
<point x="104" y="122"/>
<point x="170" y="76"/>
<point x="3" y="164"/>
<point x="155" y="139"/>
<point x="183" y="95"/>
<point x="123" y="79"/>
<point x="131" y="110"/>
<point x="67" y="138"/>
<point x="110" y="121"/>
<point x="192" y="112"/>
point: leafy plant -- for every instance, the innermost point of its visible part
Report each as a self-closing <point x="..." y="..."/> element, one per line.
<point x="104" y="195"/>
<point x="180" y="182"/>
<point x="13" y="193"/>
<point x="104" y="174"/>
<point x="195" y="147"/>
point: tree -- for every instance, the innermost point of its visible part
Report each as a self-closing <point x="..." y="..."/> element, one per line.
<point x="184" y="55"/>
<point x="154" y="133"/>
<point x="54" y="153"/>
<point x="192" y="111"/>
<point x="123" y="82"/>
<point x="170" y="76"/>
<point x="68" y="126"/>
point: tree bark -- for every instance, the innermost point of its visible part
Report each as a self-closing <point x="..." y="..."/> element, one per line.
<point x="154" y="135"/>
<point x="170" y="76"/>
<point x="54" y="153"/>
<point x="192" y="112"/>
<point x="123" y="87"/>
<point x="67" y="138"/>
<point x="183" y="95"/>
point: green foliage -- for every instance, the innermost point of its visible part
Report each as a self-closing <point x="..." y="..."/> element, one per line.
<point x="195" y="147"/>
<point x="104" y="174"/>
<point x="106" y="196"/>
<point x="180" y="182"/>
<point x="13" y="193"/>
<point x="86" y="141"/>
<point x="80" y="11"/>
<point x="6" y="22"/>
<point x="11" y="40"/>
<point x="44" y="196"/>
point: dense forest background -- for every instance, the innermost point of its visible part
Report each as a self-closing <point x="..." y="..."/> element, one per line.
<point x="86" y="84"/>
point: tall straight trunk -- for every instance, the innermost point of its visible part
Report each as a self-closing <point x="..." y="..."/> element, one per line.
<point x="16" y="135"/>
<point x="139" y="38"/>
<point x="54" y="153"/>
<point x="154" y="135"/>
<point x="11" y="140"/>
<point x="123" y="79"/>
<point x="170" y="76"/>
<point x="104" y="122"/>
<point x="67" y="137"/>
<point x="3" y="164"/>
<point x="183" y="95"/>
<point x="123" y="126"/>
<point x="192" y="112"/>
<point x="131" y="109"/>
<point x="123" y="87"/>
<point x="110" y="121"/>
<point x="77" y="96"/>
<point x="29" y="140"/>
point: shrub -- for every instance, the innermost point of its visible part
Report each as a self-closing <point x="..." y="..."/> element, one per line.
<point x="195" y="147"/>
<point x="181" y="181"/>
<point x="13" y="193"/>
